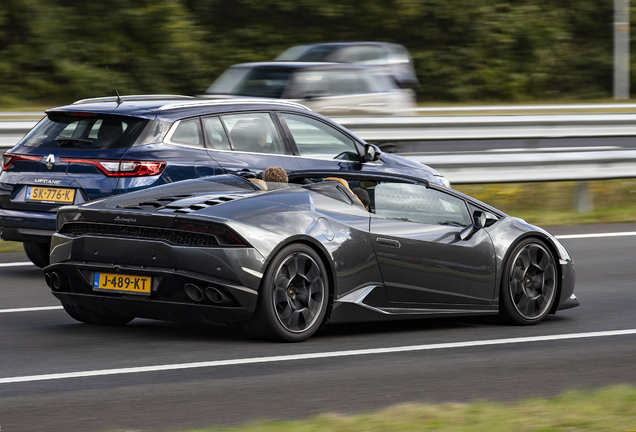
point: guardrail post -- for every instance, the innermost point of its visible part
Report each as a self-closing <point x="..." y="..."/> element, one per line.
<point x="621" y="49"/>
<point x="584" y="199"/>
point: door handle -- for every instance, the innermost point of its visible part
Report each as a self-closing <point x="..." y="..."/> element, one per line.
<point x="388" y="242"/>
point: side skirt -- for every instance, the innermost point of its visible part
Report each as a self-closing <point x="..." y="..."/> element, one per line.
<point x="370" y="303"/>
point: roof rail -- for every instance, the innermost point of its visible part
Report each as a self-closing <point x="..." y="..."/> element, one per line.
<point x="133" y="98"/>
<point x="232" y="101"/>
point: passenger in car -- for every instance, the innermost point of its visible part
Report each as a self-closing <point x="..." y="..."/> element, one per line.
<point x="363" y="196"/>
<point x="275" y="177"/>
<point x="263" y="133"/>
<point x="275" y="174"/>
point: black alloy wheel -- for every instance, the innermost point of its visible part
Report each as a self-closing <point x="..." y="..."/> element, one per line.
<point x="293" y="296"/>
<point x="529" y="284"/>
<point x="38" y="253"/>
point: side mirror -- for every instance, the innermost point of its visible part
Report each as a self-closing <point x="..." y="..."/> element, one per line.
<point x="371" y="153"/>
<point x="481" y="219"/>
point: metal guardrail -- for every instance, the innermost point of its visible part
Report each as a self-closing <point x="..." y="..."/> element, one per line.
<point x="531" y="166"/>
<point x="526" y="108"/>
<point x="11" y="131"/>
<point x="427" y="128"/>
<point x="22" y="114"/>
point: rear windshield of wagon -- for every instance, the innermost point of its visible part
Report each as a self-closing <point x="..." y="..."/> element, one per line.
<point x="85" y="131"/>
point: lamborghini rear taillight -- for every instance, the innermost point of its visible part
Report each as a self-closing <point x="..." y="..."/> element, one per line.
<point x="225" y="236"/>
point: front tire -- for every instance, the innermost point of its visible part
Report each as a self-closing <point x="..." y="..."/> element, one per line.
<point x="293" y="296"/>
<point x="529" y="283"/>
<point x="88" y="317"/>
<point x="38" y="253"/>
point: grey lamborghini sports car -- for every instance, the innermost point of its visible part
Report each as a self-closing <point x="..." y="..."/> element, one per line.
<point x="282" y="260"/>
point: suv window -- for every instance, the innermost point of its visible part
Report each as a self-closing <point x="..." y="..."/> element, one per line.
<point x="307" y="53"/>
<point x="317" y="139"/>
<point x="258" y="82"/>
<point x="416" y="203"/>
<point x="327" y="83"/>
<point x="215" y="134"/>
<point x="369" y="55"/>
<point x="253" y="132"/>
<point x="306" y="84"/>
<point x="347" y="82"/>
<point x="379" y="83"/>
<point x="188" y="133"/>
<point x="88" y="132"/>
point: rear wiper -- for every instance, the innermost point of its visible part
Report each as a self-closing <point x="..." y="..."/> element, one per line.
<point x="61" y="141"/>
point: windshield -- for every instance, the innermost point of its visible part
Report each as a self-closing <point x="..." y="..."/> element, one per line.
<point x="258" y="82"/>
<point x="84" y="130"/>
<point x="307" y="53"/>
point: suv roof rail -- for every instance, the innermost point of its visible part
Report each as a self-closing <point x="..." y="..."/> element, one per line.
<point x="232" y="101"/>
<point x="133" y="98"/>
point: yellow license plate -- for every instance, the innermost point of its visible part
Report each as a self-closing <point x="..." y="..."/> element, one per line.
<point x="50" y="194"/>
<point x="122" y="283"/>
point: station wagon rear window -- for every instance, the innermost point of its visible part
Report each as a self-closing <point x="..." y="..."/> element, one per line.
<point x="85" y="131"/>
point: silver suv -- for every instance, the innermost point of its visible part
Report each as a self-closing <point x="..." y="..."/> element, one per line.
<point x="328" y="88"/>
<point x="393" y="58"/>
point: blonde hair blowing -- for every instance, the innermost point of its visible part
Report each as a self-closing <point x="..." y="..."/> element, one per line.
<point x="275" y="174"/>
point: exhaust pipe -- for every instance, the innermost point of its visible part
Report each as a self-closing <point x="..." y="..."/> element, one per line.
<point x="194" y="292"/>
<point x="56" y="280"/>
<point x="215" y="295"/>
<point x="47" y="279"/>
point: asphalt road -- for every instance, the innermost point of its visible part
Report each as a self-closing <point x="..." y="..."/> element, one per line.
<point x="189" y="395"/>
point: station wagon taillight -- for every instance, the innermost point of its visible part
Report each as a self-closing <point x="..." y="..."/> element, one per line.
<point x="125" y="168"/>
<point x="8" y="159"/>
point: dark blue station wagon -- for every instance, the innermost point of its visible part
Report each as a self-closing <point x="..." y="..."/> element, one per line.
<point x="99" y="147"/>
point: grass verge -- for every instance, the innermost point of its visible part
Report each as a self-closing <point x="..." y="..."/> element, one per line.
<point x="554" y="203"/>
<point x="9" y="246"/>
<point x="610" y="409"/>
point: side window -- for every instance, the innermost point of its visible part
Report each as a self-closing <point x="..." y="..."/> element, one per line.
<point x="215" y="134"/>
<point x="366" y="54"/>
<point x="316" y="139"/>
<point x="347" y="82"/>
<point x="188" y="133"/>
<point x="307" y="84"/>
<point x="253" y="132"/>
<point x="416" y="203"/>
<point x="379" y="83"/>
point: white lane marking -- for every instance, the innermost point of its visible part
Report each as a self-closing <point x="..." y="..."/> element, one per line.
<point x="31" y="309"/>
<point x="596" y="235"/>
<point x="16" y="264"/>
<point x="311" y="356"/>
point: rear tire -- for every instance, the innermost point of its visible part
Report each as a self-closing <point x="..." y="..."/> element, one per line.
<point x="529" y="283"/>
<point x="293" y="296"/>
<point x="38" y="253"/>
<point x="88" y="317"/>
